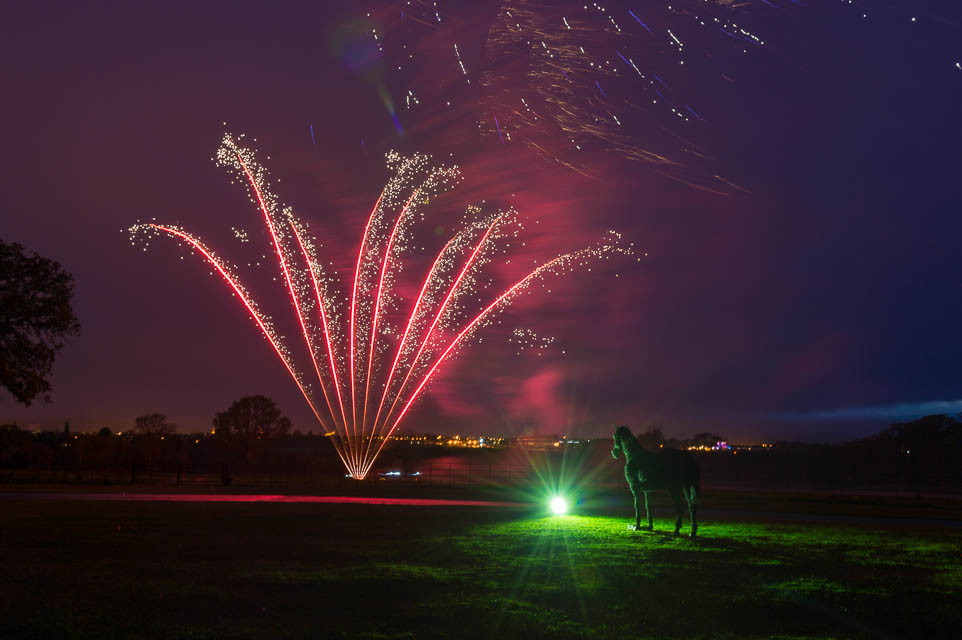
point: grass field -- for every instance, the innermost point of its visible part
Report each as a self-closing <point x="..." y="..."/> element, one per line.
<point x="253" y="570"/>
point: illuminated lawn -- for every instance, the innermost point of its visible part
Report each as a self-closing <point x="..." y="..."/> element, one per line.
<point x="169" y="570"/>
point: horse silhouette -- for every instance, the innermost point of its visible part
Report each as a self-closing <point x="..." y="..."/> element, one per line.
<point x="671" y="470"/>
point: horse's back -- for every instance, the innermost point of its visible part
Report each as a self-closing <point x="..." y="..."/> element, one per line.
<point x="673" y="469"/>
<point x="677" y="458"/>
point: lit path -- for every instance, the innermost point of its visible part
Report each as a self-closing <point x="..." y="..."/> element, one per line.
<point x="194" y="497"/>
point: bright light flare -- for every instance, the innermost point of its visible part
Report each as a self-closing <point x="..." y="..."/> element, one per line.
<point x="559" y="506"/>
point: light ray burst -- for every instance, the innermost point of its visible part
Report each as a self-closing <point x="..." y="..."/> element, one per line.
<point x="336" y="338"/>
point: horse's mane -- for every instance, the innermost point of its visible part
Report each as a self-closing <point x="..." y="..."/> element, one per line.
<point x="629" y="443"/>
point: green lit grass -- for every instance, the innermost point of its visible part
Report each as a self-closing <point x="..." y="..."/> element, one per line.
<point x="165" y="570"/>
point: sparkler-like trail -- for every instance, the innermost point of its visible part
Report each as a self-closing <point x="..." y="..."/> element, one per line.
<point x="403" y="341"/>
<point x="454" y="343"/>
<point x="437" y="317"/>
<point x="377" y="305"/>
<point x="436" y="307"/>
<point x="245" y="300"/>
<point x="327" y="337"/>
<point x="357" y="275"/>
<point x="287" y="274"/>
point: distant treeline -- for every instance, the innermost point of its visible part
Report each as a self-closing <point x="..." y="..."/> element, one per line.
<point x="916" y="456"/>
<point x="132" y="456"/>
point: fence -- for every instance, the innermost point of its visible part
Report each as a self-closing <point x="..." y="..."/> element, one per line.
<point x="430" y="473"/>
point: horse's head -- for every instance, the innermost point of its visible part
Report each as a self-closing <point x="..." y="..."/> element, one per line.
<point x="619" y="437"/>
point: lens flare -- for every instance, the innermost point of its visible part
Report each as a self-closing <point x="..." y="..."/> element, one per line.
<point x="559" y="506"/>
<point x="354" y="350"/>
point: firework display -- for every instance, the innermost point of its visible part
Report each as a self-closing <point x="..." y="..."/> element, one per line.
<point x="576" y="82"/>
<point x="357" y="397"/>
<point x="565" y="79"/>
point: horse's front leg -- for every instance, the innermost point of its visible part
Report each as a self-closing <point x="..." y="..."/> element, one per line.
<point x="637" y="492"/>
<point x="650" y="526"/>
<point x="637" y="512"/>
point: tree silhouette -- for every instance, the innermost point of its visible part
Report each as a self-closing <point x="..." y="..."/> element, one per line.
<point x="652" y="437"/>
<point x="154" y="424"/>
<point x="705" y="439"/>
<point x="36" y="317"/>
<point x="251" y="423"/>
<point x="252" y="417"/>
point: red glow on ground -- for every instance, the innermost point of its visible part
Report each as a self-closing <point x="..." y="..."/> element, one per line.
<point x="193" y="497"/>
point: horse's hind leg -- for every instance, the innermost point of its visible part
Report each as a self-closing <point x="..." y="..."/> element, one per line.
<point x="676" y="498"/>
<point x="692" y="496"/>
<point x="650" y="526"/>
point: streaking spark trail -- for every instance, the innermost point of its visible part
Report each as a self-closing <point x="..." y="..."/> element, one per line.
<point x="366" y="372"/>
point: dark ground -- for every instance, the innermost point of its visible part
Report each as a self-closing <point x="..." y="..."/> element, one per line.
<point x="784" y="566"/>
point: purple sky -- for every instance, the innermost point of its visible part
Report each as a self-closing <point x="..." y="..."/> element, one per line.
<point x="823" y="305"/>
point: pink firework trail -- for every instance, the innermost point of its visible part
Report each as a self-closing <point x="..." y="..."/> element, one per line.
<point x="377" y="304"/>
<point x="357" y="275"/>
<point x="333" y="345"/>
<point x="327" y="336"/>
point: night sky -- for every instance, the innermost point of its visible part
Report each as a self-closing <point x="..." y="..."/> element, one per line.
<point x="802" y="277"/>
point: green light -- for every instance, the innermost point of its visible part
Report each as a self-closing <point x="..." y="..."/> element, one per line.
<point x="559" y="506"/>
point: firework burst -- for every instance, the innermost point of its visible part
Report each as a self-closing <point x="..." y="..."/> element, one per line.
<point x="356" y="396"/>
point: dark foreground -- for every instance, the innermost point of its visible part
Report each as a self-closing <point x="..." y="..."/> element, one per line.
<point x="92" y="569"/>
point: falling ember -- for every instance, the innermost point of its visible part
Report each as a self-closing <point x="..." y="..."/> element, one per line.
<point x="350" y="344"/>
